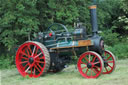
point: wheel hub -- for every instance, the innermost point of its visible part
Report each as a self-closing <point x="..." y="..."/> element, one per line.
<point x="31" y="60"/>
<point x="89" y="65"/>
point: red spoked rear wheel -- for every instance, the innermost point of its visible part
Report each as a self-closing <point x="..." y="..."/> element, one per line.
<point x="90" y="64"/>
<point x="32" y="59"/>
<point x="110" y="62"/>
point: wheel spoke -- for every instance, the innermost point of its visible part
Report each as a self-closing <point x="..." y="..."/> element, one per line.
<point x="89" y="58"/>
<point x="94" y="70"/>
<point x="30" y="49"/>
<point x="106" y="69"/>
<point x="23" y="62"/>
<point x="24" y="58"/>
<point x="91" y="73"/>
<point x="86" y="71"/>
<point x="86" y="59"/>
<point x="38" y="55"/>
<point x="25" y="65"/>
<point x="105" y="53"/>
<point x="83" y="62"/>
<point x="34" y="71"/>
<point x="84" y="67"/>
<point x="42" y="57"/>
<point x="110" y="66"/>
<point x="110" y="61"/>
<point x="94" y="59"/>
<point x="39" y="61"/>
<point x="39" y="65"/>
<point x="108" y="57"/>
<point x="37" y="68"/>
<point x="97" y="67"/>
<point x="23" y="53"/>
<point x="27" y="69"/>
<point x="93" y="64"/>
<point x="28" y="52"/>
<point x="96" y="62"/>
<point x="34" y="50"/>
<point x="31" y="70"/>
<point x="30" y="59"/>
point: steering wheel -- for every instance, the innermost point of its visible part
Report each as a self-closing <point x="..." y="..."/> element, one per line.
<point x="57" y="28"/>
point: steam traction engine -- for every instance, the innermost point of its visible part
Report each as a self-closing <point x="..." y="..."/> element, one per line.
<point x="53" y="49"/>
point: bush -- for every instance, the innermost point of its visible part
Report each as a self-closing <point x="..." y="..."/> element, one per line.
<point x="120" y="50"/>
<point x="110" y="38"/>
<point x="7" y="62"/>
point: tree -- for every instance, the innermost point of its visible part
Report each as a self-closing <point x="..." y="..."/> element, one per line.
<point x="121" y="24"/>
<point x="62" y="11"/>
<point x="17" y="20"/>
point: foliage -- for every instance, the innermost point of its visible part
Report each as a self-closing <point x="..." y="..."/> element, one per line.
<point x="61" y="11"/>
<point x="120" y="23"/>
<point x="108" y="10"/>
<point x="7" y="62"/>
<point x="120" y="50"/>
<point x="124" y="6"/>
<point x="16" y="21"/>
<point x="111" y="38"/>
<point x="20" y="19"/>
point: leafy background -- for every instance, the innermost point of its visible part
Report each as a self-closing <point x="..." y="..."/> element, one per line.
<point x="21" y="18"/>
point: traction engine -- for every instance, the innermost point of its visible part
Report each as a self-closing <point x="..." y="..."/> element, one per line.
<point x="53" y="49"/>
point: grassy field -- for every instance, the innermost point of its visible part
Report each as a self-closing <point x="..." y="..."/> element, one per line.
<point x="69" y="76"/>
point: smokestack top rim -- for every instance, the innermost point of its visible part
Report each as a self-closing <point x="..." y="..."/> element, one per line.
<point x="92" y="7"/>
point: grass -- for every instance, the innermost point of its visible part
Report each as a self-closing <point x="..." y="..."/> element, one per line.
<point x="69" y="76"/>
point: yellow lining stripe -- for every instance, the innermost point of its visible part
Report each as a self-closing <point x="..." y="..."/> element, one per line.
<point x="92" y="7"/>
<point x="81" y="43"/>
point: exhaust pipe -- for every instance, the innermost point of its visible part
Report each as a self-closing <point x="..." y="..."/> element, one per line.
<point x="94" y="20"/>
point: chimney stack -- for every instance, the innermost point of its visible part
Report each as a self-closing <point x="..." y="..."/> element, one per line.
<point x="94" y="19"/>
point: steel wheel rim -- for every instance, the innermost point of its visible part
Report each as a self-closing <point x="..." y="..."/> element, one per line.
<point x="92" y="61"/>
<point x="30" y="60"/>
<point x="111" y="61"/>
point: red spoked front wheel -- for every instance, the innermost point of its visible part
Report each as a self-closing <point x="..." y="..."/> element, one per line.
<point x="109" y="62"/>
<point x="32" y="59"/>
<point x="90" y="64"/>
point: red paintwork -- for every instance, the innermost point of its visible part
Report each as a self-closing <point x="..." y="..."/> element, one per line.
<point x="50" y="34"/>
<point x="92" y="69"/>
<point x="109" y="59"/>
<point x="23" y="54"/>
